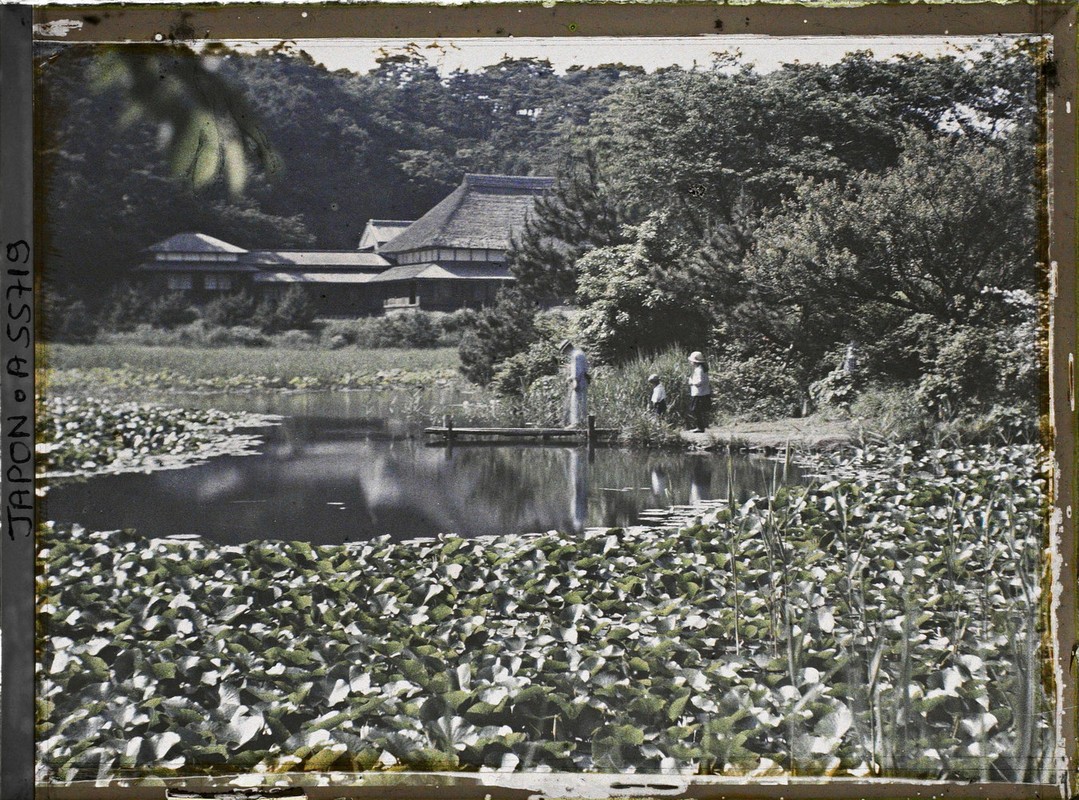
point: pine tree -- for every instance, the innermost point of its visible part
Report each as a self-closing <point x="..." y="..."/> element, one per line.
<point x="580" y="214"/>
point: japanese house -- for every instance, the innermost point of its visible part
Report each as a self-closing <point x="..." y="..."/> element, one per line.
<point x="452" y="257"/>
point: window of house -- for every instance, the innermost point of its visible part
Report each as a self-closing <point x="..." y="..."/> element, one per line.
<point x="180" y="282"/>
<point x="219" y="283"/>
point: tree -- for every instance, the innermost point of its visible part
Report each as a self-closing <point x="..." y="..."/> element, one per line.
<point x="203" y="121"/>
<point x="234" y="308"/>
<point x="640" y="298"/>
<point x="939" y="236"/>
<point x="293" y="310"/>
<point x="503" y="329"/>
<point x="581" y="213"/>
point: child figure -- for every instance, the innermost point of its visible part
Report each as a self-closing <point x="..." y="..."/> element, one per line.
<point x="657" y="403"/>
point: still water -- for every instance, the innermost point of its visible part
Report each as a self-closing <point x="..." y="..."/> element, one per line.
<point x="341" y="467"/>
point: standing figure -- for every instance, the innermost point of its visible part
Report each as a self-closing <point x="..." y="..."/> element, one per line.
<point x="700" y="391"/>
<point x="850" y="360"/>
<point x="577" y="377"/>
<point x="657" y="403"/>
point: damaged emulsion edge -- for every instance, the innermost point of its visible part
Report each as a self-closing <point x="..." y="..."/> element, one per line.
<point x="1060" y="179"/>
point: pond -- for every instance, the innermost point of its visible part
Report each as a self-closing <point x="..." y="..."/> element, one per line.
<point x="343" y="467"/>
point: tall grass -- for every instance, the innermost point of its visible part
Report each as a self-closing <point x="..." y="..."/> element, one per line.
<point x="103" y="367"/>
<point x="229" y="360"/>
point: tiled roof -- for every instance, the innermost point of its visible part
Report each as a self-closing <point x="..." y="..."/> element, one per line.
<point x="196" y="266"/>
<point x="454" y="271"/>
<point x="314" y="259"/>
<point x="301" y="276"/>
<point x="194" y="243"/>
<point x="483" y="212"/>
<point x="379" y="231"/>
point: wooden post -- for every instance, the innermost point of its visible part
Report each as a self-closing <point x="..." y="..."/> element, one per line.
<point x="591" y="427"/>
<point x="448" y="420"/>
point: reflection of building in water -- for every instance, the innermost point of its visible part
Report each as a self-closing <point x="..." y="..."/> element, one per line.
<point x="700" y="480"/>
<point x="578" y="487"/>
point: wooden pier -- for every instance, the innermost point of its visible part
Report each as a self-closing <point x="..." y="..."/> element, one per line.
<point x="590" y="433"/>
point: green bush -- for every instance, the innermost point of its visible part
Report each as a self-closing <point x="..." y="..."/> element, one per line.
<point x="237" y="308"/>
<point x="195" y="334"/>
<point x="68" y="320"/>
<point x="515" y="374"/>
<point x="763" y="386"/>
<point x="503" y="329"/>
<point x="891" y="410"/>
<point x="639" y="298"/>
<point x="419" y="329"/>
<point x="453" y="326"/>
<point x="171" y="310"/>
<point x="126" y="307"/>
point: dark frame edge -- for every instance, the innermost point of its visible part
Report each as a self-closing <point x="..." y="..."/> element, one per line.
<point x="17" y="399"/>
<point x="1056" y="19"/>
<point x="1062" y="263"/>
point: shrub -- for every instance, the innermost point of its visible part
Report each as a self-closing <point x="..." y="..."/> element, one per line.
<point x="453" y="326"/>
<point x="515" y="374"/>
<point x="839" y="387"/>
<point x="294" y="310"/>
<point x="126" y="307"/>
<point x="413" y="329"/>
<point x="891" y="410"/>
<point x="295" y="339"/>
<point x="502" y="330"/>
<point x="68" y="320"/>
<point x="171" y="310"/>
<point x="762" y="386"/>
<point x="237" y="308"/>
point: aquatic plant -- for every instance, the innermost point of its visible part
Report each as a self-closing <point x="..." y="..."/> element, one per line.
<point x="84" y="436"/>
<point x="883" y="621"/>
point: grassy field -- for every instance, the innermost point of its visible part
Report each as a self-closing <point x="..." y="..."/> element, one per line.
<point x="102" y="368"/>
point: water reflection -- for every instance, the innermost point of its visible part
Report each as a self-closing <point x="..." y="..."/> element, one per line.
<point x="334" y="471"/>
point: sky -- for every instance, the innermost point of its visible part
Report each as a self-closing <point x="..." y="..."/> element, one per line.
<point x="766" y="53"/>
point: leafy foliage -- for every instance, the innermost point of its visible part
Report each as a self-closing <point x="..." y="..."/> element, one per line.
<point x="503" y="329"/>
<point x="884" y="621"/>
<point x="87" y="435"/>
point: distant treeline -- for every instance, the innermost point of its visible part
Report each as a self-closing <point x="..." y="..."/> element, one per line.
<point x="770" y="219"/>
<point x="389" y="144"/>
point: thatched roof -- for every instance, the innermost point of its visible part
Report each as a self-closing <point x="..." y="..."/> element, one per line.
<point x="194" y="243"/>
<point x="482" y="213"/>
<point x="379" y="231"/>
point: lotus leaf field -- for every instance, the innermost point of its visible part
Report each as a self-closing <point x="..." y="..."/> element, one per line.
<point x="87" y="436"/>
<point x="882" y="621"/>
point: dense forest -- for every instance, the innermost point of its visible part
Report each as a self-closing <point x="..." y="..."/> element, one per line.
<point x="777" y="218"/>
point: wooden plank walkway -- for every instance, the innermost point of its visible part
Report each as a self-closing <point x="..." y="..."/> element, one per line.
<point x="519" y="433"/>
<point x="590" y="432"/>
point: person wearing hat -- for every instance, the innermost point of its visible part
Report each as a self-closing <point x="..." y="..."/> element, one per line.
<point x="577" y="377"/>
<point x="700" y="391"/>
<point x="657" y="403"/>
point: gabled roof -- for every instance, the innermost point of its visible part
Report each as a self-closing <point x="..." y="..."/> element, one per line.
<point x="316" y="259"/>
<point x="483" y="212"/>
<point x="194" y="243"/>
<point x="379" y="231"/>
<point x="439" y="271"/>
